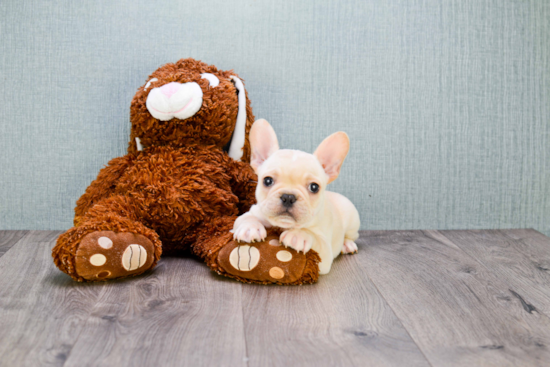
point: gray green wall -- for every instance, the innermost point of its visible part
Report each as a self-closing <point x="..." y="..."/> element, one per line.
<point x="447" y="103"/>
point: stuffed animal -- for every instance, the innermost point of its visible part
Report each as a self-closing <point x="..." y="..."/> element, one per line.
<point x="179" y="189"/>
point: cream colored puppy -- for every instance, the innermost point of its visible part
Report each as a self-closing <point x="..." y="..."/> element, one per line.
<point x="291" y="194"/>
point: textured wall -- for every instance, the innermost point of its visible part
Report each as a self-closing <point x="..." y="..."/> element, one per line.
<point x="447" y="102"/>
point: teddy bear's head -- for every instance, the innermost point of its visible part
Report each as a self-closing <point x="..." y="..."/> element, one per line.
<point x="190" y="102"/>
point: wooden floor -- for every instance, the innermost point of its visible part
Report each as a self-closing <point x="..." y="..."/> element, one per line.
<point x="409" y="298"/>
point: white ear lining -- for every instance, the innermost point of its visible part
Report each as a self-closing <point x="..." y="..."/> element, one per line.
<point x="212" y="79"/>
<point x="138" y="144"/>
<point x="149" y="83"/>
<point x="237" y="141"/>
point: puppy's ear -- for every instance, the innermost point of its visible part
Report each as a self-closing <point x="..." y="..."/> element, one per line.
<point x="263" y="142"/>
<point x="332" y="152"/>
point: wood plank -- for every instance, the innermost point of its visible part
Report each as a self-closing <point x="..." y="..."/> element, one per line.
<point x="8" y="239"/>
<point x="179" y="314"/>
<point x="532" y="244"/>
<point x="340" y="321"/>
<point x="461" y="308"/>
<point x="521" y="258"/>
<point x="41" y="309"/>
<point x="457" y="311"/>
<point x="530" y="238"/>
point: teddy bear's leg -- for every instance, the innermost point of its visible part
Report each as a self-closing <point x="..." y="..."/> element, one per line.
<point x="109" y="243"/>
<point x="260" y="262"/>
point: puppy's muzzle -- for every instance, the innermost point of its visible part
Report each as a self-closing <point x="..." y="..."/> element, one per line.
<point x="288" y="200"/>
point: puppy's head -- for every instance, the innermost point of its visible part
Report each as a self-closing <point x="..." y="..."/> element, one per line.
<point x="291" y="183"/>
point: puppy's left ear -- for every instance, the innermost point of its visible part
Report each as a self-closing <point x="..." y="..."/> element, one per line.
<point x="263" y="143"/>
<point x="332" y="152"/>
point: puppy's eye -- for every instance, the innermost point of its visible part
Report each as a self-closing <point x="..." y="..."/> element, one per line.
<point x="313" y="187"/>
<point x="268" y="181"/>
<point x="212" y="79"/>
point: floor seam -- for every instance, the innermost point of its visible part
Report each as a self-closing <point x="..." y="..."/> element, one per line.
<point x="397" y="317"/>
<point x="27" y="233"/>
<point x="247" y="358"/>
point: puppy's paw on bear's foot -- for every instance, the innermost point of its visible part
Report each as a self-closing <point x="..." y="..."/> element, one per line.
<point x="250" y="231"/>
<point x="268" y="262"/>
<point x="350" y="247"/>
<point x="108" y="255"/>
<point x="298" y="239"/>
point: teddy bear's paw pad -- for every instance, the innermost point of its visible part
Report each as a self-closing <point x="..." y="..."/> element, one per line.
<point x="266" y="261"/>
<point x="108" y="255"/>
<point x="244" y="257"/>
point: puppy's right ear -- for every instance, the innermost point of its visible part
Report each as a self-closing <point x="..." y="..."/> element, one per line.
<point x="332" y="152"/>
<point x="263" y="142"/>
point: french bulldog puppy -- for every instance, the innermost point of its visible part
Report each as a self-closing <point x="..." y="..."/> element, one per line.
<point x="291" y="194"/>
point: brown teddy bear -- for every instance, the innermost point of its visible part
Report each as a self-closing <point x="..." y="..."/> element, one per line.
<point x="179" y="189"/>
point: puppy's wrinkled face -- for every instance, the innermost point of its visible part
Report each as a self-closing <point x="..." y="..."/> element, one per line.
<point x="291" y="183"/>
<point x="290" y="188"/>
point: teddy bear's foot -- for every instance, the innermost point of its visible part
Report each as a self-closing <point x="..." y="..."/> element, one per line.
<point x="106" y="255"/>
<point x="268" y="262"/>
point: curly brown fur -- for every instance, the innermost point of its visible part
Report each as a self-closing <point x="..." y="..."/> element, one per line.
<point x="212" y="125"/>
<point x="103" y="186"/>
<point x="182" y="192"/>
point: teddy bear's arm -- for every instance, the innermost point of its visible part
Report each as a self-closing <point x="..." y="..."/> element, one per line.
<point x="243" y="184"/>
<point x="103" y="186"/>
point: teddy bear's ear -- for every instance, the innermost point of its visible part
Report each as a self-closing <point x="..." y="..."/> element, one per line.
<point x="239" y="134"/>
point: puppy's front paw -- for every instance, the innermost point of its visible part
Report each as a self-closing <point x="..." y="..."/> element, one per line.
<point x="297" y="239"/>
<point x="249" y="231"/>
<point x="349" y="247"/>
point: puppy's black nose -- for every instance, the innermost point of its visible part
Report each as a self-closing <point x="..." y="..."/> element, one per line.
<point x="288" y="200"/>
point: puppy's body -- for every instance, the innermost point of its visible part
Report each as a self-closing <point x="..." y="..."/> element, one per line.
<point x="291" y="194"/>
